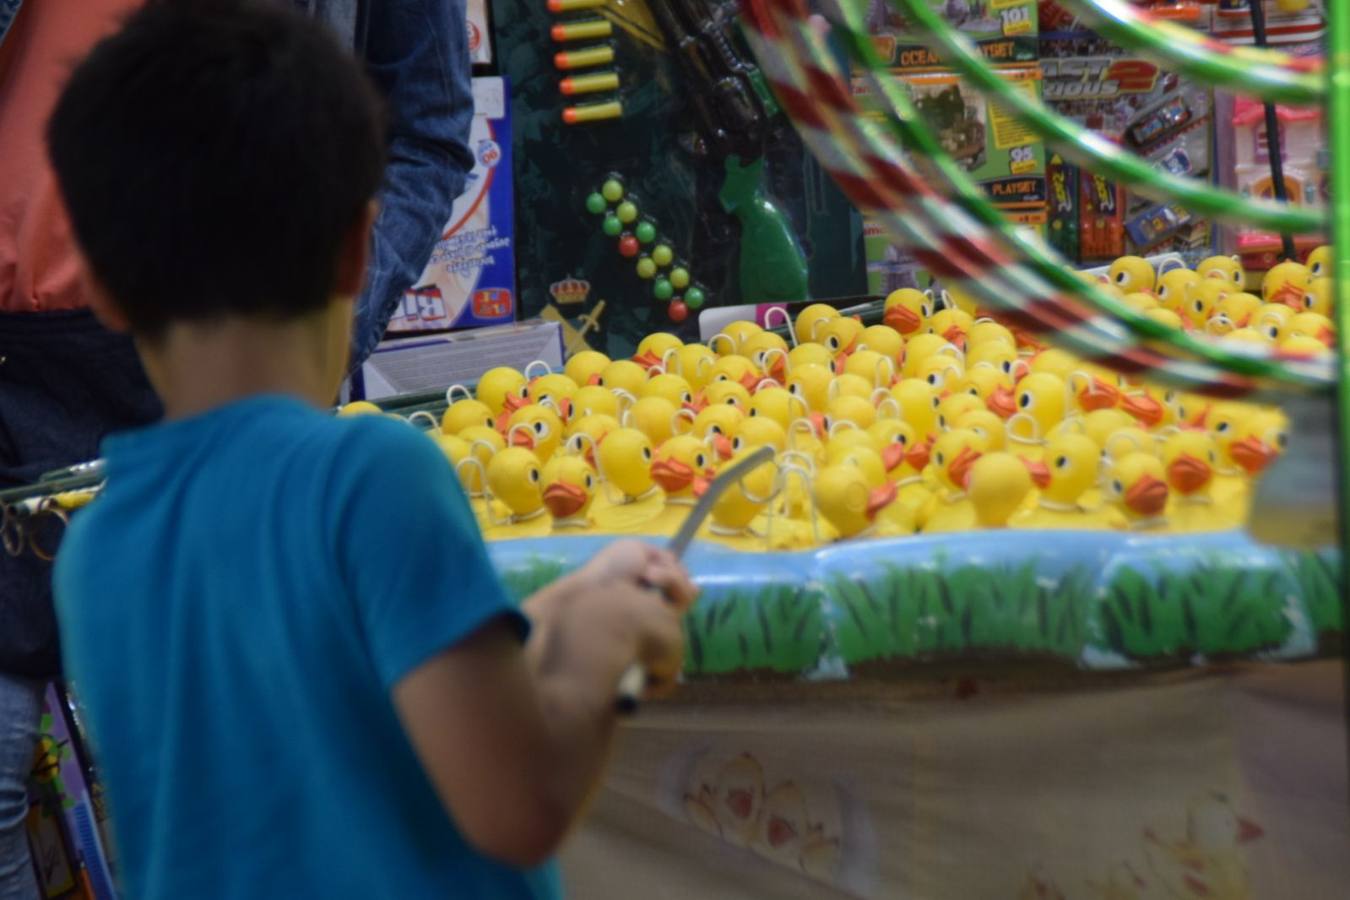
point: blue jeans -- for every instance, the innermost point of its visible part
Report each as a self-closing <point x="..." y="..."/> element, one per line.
<point x="20" y="707"/>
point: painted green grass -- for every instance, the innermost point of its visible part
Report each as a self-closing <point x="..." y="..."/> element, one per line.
<point x="777" y="628"/>
<point x="1215" y="609"/>
<point x="920" y="612"/>
<point x="1319" y="577"/>
<point x="523" y="580"/>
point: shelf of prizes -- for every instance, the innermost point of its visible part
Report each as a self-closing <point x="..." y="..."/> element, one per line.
<point x="988" y="601"/>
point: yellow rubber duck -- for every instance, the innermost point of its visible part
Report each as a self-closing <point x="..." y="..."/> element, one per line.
<point x="954" y="452"/>
<point x="672" y="388"/>
<point x="1313" y="325"/>
<point x="513" y="478"/>
<point x="953" y="296"/>
<point x="1136" y="487"/>
<point x="811" y="383"/>
<point x="594" y="400"/>
<point x="847" y="385"/>
<point x="1102" y="423"/>
<point x="1225" y="268"/>
<point x="809" y="355"/>
<point x="740" y="505"/>
<point x="952" y="325"/>
<point x="1224" y="423"/>
<point x="716" y="426"/>
<point x="502" y="388"/>
<point x="624" y="375"/>
<point x="732" y="337"/>
<point x="1166" y="317"/>
<point x="893" y="439"/>
<point x="1131" y="273"/>
<point x="1093" y="387"/>
<point x="1302" y="346"/>
<point x="839" y="335"/>
<point x="1053" y="361"/>
<point x="629" y="497"/>
<point x="359" y="408"/>
<point x="997" y="355"/>
<point x="727" y="393"/>
<point x="809" y="319"/>
<point x="1189" y="458"/>
<point x="984" y="381"/>
<point x="988" y="331"/>
<point x="918" y="404"/>
<point x="585" y="433"/>
<point x="585" y="367"/>
<point x="1068" y="471"/>
<point x="986" y="424"/>
<point x="693" y="363"/>
<point x="536" y="428"/>
<point x="778" y="404"/>
<point x="759" y="431"/>
<point x="1271" y="320"/>
<point x="653" y="416"/>
<point x="1174" y="286"/>
<point x="654" y="349"/>
<point x="555" y="391"/>
<point x="953" y="406"/>
<point x="736" y="369"/>
<point x="1141" y="302"/>
<point x="942" y="371"/>
<point x="483" y="444"/>
<point x="849" y="409"/>
<point x="679" y="464"/>
<point x="851" y="507"/>
<point x="1041" y="399"/>
<point x="1286" y="282"/>
<point x="999" y="486"/>
<point x="1236" y="310"/>
<point x="884" y="340"/>
<point x="878" y="370"/>
<point x="569" y="489"/>
<point x="1202" y="300"/>
<point x="466" y="413"/>
<point x="1317" y="298"/>
<point x="1319" y="262"/>
<point x="906" y="311"/>
<point x="920" y="348"/>
<point x="769" y="353"/>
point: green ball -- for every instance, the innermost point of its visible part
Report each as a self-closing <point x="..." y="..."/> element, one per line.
<point x="595" y="204"/>
<point x="694" y="298"/>
<point x="680" y="278"/>
<point x="627" y="211"/>
<point x="612" y="226"/>
<point x="646" y="268"/>
<point x="663" y="254"/>
<point x="612" y="190"/>
<point x="646" y="232"/>
<point x="662" y="289"/>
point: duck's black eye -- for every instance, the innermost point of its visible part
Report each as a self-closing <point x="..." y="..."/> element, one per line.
<point x="534" y="476"/>
<point x="1024" y="401"/>
<point x="489" y="423"/>
<point x="700" y="461"/>
<point x="942" y="422"/>
<point x="737" y="444"/>
<point x="540" y="428"/>
<point x="731" y="401"/>
<point x="1117" y="486"/>
<point x="646" y="454"/>
<point x="901" y="440"/>
<point x="1061" y="462"/>
<point x="1199" y="306"/>
<point x="1007" y="367"/>
<point x="938" y="458"/>
<point x="937" y="401"/>
<point x="715" y="429"/>
<point x="1221" y="427"/>
<point x="1121" y="277"/>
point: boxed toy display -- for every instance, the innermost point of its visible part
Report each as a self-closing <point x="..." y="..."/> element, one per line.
<point x="1003" y="30"/>
<point x="470" y="279"/>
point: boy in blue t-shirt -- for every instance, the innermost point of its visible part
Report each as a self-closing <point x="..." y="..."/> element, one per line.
<point x="300" y="673"/>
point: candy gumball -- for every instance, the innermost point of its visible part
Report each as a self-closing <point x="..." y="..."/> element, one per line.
<point x="595" y="204"/>
<point x="677" y="311"/>
<point x="628" y="245"/>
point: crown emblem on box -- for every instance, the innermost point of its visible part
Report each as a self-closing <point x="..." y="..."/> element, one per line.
<point x="570" y="291"/>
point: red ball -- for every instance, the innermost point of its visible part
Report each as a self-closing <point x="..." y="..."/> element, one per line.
<point x="628" y="245"/>
<point x="677" y="311"/>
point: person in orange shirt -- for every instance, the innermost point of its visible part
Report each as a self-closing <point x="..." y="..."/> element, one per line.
<point x="65" y="382"/>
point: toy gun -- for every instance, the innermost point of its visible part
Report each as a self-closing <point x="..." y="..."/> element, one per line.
<point x="734" y="109"/>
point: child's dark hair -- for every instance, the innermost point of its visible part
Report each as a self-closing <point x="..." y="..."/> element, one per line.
<point x="212" y="155"/>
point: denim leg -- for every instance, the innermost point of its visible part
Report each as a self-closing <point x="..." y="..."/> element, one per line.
<point x="20" y="708"/>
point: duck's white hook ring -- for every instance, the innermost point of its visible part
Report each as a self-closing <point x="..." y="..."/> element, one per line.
<point x="530" y="366"/>
<point x="423" y="416"/>
<point x="454" y="389"/>
<point x="787" y="320"/>
<point x="712" y="342"/>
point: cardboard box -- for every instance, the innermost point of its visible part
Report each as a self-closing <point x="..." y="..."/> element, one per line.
<point x="480" y="39"/>
<point x="1003" y="30"/>
<point x="470" y="280"/>
<point x="434" y="362"/>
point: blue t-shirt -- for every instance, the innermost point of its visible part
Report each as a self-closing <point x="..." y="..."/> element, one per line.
<point x="235" y="610"/>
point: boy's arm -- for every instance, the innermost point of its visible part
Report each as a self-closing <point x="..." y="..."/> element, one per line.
<point x="514" y="740"/>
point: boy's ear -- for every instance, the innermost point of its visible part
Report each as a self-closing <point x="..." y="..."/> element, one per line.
<point x="350" y="277"/>
<point x="101" y="303"/>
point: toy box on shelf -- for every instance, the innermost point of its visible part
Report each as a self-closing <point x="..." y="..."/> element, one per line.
<point x="1242" y="144"/>
<point x="1003" y="30"/>
<point x="470" y="280"/>
<point x="998" y="153"/>
<point x="1155" y="113"/>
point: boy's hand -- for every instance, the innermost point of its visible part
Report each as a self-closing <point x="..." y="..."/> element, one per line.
<point x="635" y="593"/>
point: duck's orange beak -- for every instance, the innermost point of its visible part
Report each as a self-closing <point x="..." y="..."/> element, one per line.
<point x="594" y="379"/>
<point x="956" y="336"/>
<point x="1188" y="474"/>
<point x="750" y="381"/>
<point x="1290" y="295"/>
<point x="1248" y="831"/>
<point x="1003" y="402"/>
<point x="565" y="409"/>
<point x="564" y="500"/>
<point x="722" y="446"/>
<point x="893" y="455"/>
<point x="648" y="361"/>
<point x="520" y="437"/>
<point x="1025" y="340"/>
<point x="902" y="319"/>
<point x="818" y="424"/>
<point x="1147" y="496"/>
<point x="1253" y="454"/>
<point x="917" y="456"/>
<point x="513" y="402"/>
<point x="958" y="470"/>
<point x="1198" y="420"/>
<point x="879" y="498"/>
<point x="1145" y="409"/>
<point x="778" y="368"/>
<point x="1039" y="471"/>
<point x="697" y="405"/>
<point x="1326" y="336"/>
<point x="672" y="475"/>
<point x="1098" y="395"/>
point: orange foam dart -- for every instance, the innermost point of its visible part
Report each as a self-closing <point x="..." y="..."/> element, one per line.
<point x="589" y="84"/>
<point x="592" y="112"/>
<point x="585" y="58"/>
<point x="584" y="30"/>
